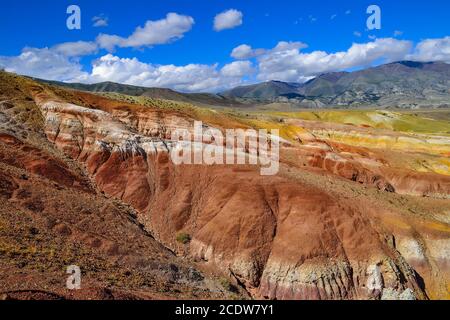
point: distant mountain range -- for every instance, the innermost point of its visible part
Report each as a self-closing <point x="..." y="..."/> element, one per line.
<point x="404" y="84"/>
<point x="399" y="84"/>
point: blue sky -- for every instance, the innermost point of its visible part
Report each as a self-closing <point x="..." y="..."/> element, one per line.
<point x="313" y="32"/>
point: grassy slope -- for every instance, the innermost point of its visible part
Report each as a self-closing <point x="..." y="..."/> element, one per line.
<point x="396" y="121"/>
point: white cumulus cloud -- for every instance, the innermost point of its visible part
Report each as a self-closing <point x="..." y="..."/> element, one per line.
<point x="432" y="50"/>
<point x="46" y="64"/>
<point x="228" y="20"/>
<point x="100" y="21"/>
<point x="237" y="69"/>
<point x="244" y="51"/>
<point x="189" y="78"/>
<point x="171" y="28"/>
<point x="287" y="63"/>
<point x="76" y="49"/>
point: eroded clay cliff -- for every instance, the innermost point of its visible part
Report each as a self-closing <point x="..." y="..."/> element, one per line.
<point x="303" y="234"/>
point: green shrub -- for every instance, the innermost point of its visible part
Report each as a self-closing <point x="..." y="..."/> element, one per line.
<point x="183" y="238"/>
<point x="227" y="285"/>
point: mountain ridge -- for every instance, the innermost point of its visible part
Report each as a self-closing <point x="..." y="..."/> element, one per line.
<point x="402" y="84"/>
<point x="203" y="99"/>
